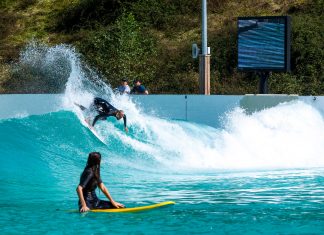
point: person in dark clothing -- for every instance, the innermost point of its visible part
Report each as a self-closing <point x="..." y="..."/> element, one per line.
<point x="139" y="88"/>
<point x="90" y="179"/>
<point x="105" y="110"/>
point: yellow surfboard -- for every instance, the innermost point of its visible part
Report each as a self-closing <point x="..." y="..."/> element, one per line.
<point x="135" y="209"/>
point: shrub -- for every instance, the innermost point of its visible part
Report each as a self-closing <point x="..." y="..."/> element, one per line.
<point x="122" y="50"/>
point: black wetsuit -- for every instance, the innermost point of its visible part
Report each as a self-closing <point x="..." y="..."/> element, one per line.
<point x="105" y="110"/>
<point x="89" y="184"/>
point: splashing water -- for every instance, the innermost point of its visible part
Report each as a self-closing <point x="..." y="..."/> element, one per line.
<point x="289" y="135"/>
<point x="286" y="136"/>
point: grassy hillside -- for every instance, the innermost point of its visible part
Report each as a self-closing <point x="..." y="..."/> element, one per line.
<point x="151" y="40"/>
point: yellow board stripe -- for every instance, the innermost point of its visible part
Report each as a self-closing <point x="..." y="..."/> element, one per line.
<point x="135" y="209"/>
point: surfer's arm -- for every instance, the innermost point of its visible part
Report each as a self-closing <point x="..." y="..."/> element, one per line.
<point x="125" y="123"/>
<point x="84" y="207"/>
<point x="107" y="194"/>
<point x="125" y="120"/>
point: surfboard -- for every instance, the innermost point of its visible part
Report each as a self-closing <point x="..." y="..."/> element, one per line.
<point x="134" y="209"/>
<point x="91" y="128"/>
<point x="87" y="123"/>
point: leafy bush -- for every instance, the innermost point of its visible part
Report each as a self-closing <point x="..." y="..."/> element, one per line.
<point x="83" y="13"/>
<point x="151" y="40"/>
<point x="307" y="58"/>
<point x="122" y="50"/>
<point x="308" y="52"/>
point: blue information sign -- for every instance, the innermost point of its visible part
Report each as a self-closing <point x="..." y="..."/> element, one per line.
<point x="264" y="43"/>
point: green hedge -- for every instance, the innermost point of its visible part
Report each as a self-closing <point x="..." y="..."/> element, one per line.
<point x="121" y="50"/>
<point x="151" y="40"/>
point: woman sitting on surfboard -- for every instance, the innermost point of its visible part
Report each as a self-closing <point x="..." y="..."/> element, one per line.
<point x="89" y="180"/>
<point x="105" y="110"/>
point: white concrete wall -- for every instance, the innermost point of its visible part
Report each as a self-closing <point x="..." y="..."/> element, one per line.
<point x="16" y="105"/>
<point x="194" y="108"/>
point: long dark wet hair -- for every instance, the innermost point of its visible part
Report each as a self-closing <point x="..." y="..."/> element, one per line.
<point x="93" y="162"/>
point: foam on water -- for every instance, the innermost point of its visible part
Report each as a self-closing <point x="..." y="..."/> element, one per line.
<point x="287" y="136"/>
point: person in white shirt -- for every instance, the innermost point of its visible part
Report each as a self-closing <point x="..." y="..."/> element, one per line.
<point x="124" y="88"/>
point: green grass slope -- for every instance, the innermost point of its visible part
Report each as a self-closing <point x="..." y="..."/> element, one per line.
<point x="151" y="40"/>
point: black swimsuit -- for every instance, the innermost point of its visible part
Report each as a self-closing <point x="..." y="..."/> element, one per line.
<point x="105" y="110"/>
<point x="89" y="184"/>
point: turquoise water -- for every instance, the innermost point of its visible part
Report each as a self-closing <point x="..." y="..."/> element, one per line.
<point x="259" y="173"/>
<point x="42" y="158"/>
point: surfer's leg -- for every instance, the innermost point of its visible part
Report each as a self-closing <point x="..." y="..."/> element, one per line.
<point x="89" y="200"/>
<point x="104" y="205"/>
<point x="80" y="106"/>
<point x="99" y="117"/>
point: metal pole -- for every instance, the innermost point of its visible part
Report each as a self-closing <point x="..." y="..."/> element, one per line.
<point x="204" y="26"/>
<point x="204" y="57"/>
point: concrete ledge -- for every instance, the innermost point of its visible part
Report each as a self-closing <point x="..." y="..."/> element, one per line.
<point x="17" y="105"/>
<point x="193" y="108"/>
<point x="253" y="103"/>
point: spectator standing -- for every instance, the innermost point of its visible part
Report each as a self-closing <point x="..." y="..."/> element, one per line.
<point x="124" y="88"/>
<point x="139" y="88"/>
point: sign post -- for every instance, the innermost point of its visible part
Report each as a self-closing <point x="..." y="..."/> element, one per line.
<point x="204" y="74"/>
<point x="204" y="57"/>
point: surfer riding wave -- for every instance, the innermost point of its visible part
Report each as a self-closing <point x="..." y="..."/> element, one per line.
<point x="104" y="110"/>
